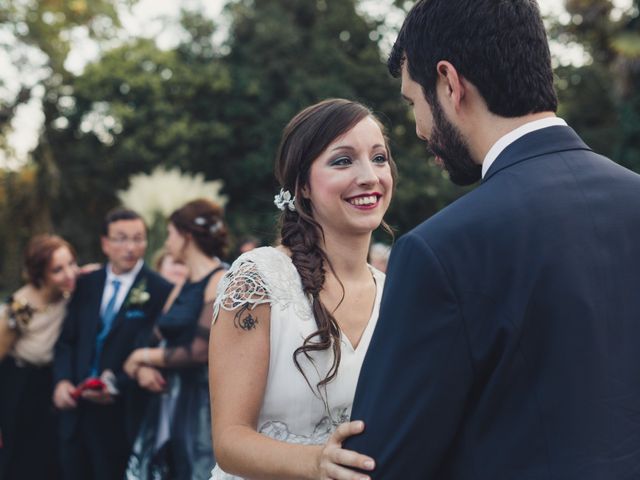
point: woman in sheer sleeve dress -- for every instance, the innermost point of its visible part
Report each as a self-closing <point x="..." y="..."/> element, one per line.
<point x="174" y="440"/>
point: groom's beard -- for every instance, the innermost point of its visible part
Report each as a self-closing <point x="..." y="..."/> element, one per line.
<point x="446" y="142"/>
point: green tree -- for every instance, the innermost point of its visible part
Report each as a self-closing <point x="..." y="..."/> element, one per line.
<point x="287" y="54"/>
<point x="37" y="38"/>
<point x="136" y="108"/>
<point x="221" y="111"/>
<point x="19" y="214"/>
<point x="601" y="99"/>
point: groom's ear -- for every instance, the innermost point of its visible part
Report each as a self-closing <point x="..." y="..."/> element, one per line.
<point x="451" y="84"/>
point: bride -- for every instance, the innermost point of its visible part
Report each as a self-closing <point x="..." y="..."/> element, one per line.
<point x="293" y="323"/>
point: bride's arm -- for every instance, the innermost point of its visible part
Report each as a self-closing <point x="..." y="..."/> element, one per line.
<point x="239" y="364"/>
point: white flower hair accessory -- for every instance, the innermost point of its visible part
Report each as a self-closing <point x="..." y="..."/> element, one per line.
<point x="284" y="200"/>
<point x="213" y="228"/>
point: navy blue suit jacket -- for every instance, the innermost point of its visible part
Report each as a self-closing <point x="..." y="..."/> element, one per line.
<point x="507" y="344"/>
<point x="131" y="328"/>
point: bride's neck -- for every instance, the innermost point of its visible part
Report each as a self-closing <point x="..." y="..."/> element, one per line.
<point x="348" y="256"/>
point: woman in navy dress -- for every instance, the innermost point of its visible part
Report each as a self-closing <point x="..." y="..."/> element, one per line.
<point x="174" y="440"/>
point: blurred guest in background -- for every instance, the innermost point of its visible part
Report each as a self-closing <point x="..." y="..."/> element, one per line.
<point x="30" y="325"/>
<point x="175" y="438"/>
<point x="169" y="268"/>
<point x="379" y="256"/>
<point x="248" y="243"/>
<point x="112" y="311"/>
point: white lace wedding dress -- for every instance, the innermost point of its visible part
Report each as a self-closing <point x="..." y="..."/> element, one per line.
<point x="291" y="411"/>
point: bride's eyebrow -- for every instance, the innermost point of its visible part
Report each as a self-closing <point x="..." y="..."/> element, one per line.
<point x="349" y="147"/>
<point x="343" y="147"/>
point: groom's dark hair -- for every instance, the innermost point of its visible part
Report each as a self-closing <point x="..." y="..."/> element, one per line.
<point x="500" y="46"/>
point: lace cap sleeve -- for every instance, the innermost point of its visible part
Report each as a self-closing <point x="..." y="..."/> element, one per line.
<point x="243" y="286"/>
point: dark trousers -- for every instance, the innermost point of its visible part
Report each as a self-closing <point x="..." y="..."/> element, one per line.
<point x="98" y="449"/>
<point x="27" y="423"/>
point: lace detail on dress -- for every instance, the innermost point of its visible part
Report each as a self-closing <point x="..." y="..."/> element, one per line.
<point x="280" y="431"/>
<point x="241" y="286"/>
<point x="218" y="474"/>
<point x="321" y="433"/>
<point x="263" y="275"/>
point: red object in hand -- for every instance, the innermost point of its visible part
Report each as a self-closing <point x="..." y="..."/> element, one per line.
<point x="89" y="384"/>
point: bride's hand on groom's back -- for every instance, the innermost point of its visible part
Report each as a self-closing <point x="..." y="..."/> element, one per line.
<point x="334" y="461"/>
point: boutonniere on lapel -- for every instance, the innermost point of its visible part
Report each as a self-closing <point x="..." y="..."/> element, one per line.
<point x="136" y="299"/>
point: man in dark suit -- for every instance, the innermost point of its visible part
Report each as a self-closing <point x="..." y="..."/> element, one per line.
<point x="111" y="313"/>
<point x="507" y="344"/>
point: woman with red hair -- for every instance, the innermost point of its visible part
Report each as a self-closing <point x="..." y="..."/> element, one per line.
<point x="30" y="322"/>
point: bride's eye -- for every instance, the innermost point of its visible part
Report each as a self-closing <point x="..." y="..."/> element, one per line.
<point x="379" y="159"/>
<point x="340" y="162"/>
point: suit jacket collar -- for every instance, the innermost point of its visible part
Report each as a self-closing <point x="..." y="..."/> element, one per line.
<point x="91" y="303"/>
<point x="98" y="289"/>
<point x="540" y="142"/>
<point x="100" y="278"/>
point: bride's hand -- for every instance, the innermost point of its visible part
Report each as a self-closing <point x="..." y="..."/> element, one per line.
<point x="334" y="460"/>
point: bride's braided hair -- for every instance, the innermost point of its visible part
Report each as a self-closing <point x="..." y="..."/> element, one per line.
<point x="304" y="139"/>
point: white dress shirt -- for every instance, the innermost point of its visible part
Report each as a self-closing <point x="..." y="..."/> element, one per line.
<point x="126" y="282"/>
<point x="506" y="140"/>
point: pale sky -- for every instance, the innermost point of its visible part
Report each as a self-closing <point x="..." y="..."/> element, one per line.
<point x="152" y="18"/>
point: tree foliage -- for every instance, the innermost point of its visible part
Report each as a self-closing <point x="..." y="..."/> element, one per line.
<point x="287" y="54"/>
<point x="221" y="110"/>
<point x="218" y="109"/>
<point x="601" y="99"/>
<point x="43" y="29"/>
<point x="36" y="37"/>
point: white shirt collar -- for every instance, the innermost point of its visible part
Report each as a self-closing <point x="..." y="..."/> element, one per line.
<point x="514" y="135"/>
<point x="126" y="282"/>
<point x="127" y="277"/>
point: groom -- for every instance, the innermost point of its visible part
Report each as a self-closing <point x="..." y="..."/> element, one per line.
<point x="508" y="345"/>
